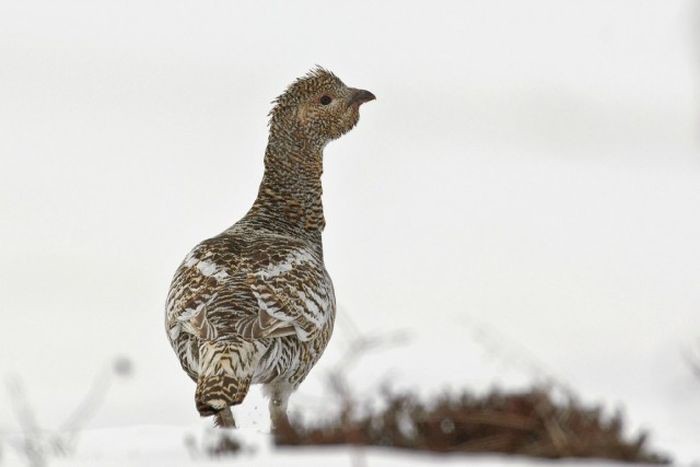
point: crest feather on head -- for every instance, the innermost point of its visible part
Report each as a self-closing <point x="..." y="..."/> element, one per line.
<point x="312" y="82"/>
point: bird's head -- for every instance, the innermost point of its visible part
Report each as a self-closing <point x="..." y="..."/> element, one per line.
<point x="319" y="107"/>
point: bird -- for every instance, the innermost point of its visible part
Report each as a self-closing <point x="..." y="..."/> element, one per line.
<point x="255" y="304"/>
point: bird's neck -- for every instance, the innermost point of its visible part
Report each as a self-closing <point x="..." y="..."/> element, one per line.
<point x="289" y="199"/>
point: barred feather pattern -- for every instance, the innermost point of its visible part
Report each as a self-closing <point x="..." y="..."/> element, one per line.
<point x="255" y="303"/>
<point x="249" y="308"/>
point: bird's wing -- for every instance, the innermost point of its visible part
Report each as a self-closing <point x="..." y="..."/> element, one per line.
<point x="294" y="295"/>
<point x="264" y="289"/>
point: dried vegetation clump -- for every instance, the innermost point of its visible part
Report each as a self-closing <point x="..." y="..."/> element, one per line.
<point x="527" y="423"/>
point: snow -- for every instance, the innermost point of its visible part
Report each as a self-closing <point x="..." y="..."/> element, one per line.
<point x="166" y="445"/>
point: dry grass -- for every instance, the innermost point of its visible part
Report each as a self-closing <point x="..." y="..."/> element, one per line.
<point x="36" y="445"/>
<point x="528" y="423"/>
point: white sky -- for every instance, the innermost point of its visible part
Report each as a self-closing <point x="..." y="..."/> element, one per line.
<point x="531" y="166"/>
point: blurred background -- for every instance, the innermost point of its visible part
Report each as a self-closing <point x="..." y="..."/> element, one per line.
<point x="521" y="201"/>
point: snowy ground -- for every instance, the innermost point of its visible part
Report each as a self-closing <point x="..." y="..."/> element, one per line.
<point x="166" y="446"/>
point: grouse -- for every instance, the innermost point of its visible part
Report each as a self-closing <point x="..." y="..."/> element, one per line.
<point x="255" y="304"/>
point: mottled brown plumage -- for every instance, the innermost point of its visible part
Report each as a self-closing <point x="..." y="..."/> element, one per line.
<point x="255" y="305"/>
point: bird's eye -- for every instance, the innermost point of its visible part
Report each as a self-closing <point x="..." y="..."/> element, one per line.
<point x="325" y="100"/>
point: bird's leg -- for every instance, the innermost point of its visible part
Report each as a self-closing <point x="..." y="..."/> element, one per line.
<point x="278" y="413"/>
<point x="279" y="397"/>
<point x="224" y="419"/>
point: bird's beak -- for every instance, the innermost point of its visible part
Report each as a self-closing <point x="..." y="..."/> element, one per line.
<point x="360" y="96"/>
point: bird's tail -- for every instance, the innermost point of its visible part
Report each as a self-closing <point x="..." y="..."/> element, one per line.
<point x="226" y="370"/>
